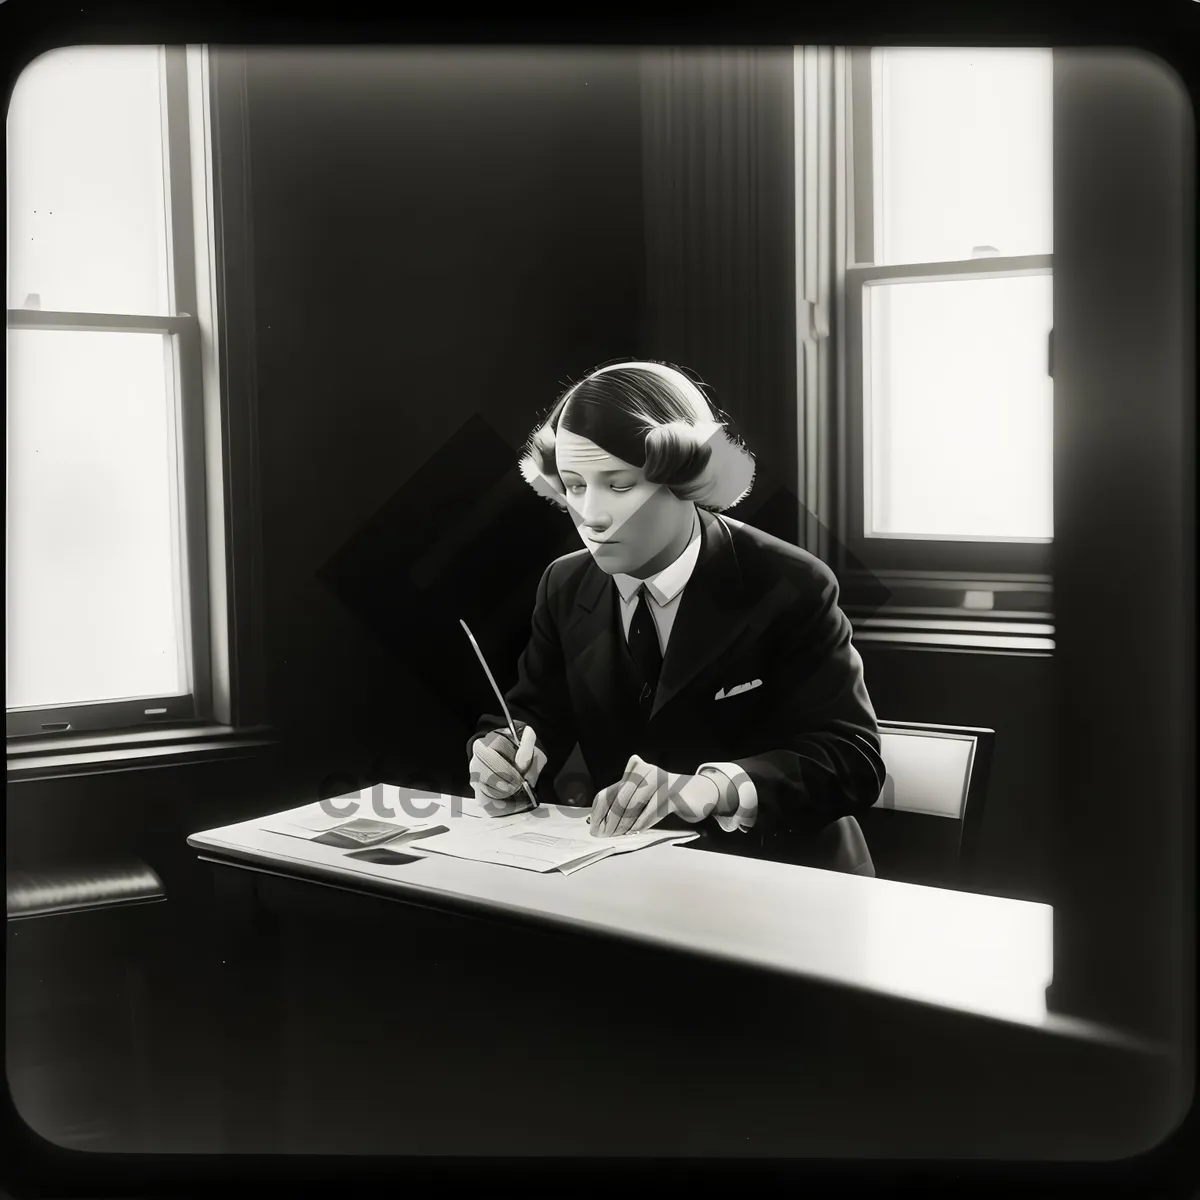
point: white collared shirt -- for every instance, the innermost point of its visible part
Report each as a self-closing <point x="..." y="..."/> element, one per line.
<point x="664" y="590"/>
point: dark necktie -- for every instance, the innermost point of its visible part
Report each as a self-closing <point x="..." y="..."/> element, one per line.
<point x="643" y="646"/>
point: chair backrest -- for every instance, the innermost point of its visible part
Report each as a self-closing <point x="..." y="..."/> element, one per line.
<point x="935" y="773"/>
<point x="50" y="893"/>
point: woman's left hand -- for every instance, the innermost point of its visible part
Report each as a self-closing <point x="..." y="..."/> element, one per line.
<point x="645" y="794"/>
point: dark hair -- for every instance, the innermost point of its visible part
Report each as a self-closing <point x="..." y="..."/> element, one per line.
<point x="651" y="415"/>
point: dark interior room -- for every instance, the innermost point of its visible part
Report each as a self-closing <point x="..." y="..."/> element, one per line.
<point x="400" y="258"/>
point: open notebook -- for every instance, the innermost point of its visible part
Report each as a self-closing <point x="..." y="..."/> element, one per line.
<point x="549" y="838"/>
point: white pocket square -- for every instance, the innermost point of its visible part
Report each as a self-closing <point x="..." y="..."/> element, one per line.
<point x="734" y="691"/>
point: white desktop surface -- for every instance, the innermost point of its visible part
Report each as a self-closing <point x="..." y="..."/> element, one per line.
<point x="971" y="953"/>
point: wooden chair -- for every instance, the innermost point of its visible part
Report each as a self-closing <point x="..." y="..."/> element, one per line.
<point x="79" y="1024"/>
<point x="925" y="826"/>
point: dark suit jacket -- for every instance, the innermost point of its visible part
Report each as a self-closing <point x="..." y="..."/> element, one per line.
<point x="755" y="607"/>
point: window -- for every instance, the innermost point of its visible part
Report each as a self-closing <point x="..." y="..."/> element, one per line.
<point x="942" y="270"/>
<point x="111" y="391"/>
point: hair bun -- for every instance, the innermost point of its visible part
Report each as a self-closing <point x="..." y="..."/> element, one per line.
<point x="676" y="453"/>
<point x="700" y="462"/>
<point x="730" y="474"/>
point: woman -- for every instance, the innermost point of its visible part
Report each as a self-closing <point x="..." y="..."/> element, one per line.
<point x="702" y="667"/>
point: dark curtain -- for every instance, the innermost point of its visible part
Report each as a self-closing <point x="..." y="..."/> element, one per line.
<point x="718" y="168"/>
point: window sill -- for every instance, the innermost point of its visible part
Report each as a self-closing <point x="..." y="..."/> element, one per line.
<point x="958" y="633"/>
<point x="951" y="594"/>
<point x="958" y="612"/>
<point x="89" y="754"/>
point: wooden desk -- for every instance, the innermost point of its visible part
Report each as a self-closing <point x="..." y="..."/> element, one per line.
<point x="877" y="1010"/>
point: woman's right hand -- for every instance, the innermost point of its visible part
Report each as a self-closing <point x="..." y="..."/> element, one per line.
<point x="498" y="767"/>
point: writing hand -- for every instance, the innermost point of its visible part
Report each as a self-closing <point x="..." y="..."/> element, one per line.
<point x="645" y="794"/>
<point x="498" y="766"/>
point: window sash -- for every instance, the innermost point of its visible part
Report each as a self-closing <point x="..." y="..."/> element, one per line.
<point x="858" y="139"/>
<point x="994" y="558"/>
<point x="188" y="422"/>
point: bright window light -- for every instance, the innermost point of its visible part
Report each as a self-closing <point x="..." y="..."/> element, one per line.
<point x="959" y="409"/>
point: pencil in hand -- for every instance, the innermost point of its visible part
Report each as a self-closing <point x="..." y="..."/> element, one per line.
<point x="525" y="745"/>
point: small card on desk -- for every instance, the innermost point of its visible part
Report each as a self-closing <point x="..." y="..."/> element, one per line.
<point x="313" y="824"/>
<point x="363" y="831"/>
<point x="435" y="815"/>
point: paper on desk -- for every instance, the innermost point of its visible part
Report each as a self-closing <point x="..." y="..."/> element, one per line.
<point x="410" y="811"/>
<point x="624" y="843"/>
<point x="552" y="838"/>
<point x="312" y="821"/>
<point x="301" y="823"/>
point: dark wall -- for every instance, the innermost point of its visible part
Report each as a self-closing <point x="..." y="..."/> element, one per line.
<point x="442" y="241"/>
<point x="1125" y="541"/>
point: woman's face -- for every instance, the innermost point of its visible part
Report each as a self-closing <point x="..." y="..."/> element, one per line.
<point x="624" y="521"/>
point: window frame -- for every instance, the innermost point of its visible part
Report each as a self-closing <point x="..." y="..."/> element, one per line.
<point x="931" y="574"/>
<point x="215" y="499"/>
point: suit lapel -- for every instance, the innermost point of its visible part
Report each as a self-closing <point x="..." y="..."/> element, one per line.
<point x="711" y="615"/>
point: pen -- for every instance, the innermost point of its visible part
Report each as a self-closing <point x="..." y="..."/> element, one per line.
<point x="504" y="707"/>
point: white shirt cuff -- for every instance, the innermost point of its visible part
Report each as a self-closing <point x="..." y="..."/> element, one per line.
<point x="729" y="775"/>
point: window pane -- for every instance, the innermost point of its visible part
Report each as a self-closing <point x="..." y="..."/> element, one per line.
<point x="87" y="228"/>
<point x="960" y="409"/>
<point x="91" y="587"/>
<point x="963" y="153"/>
